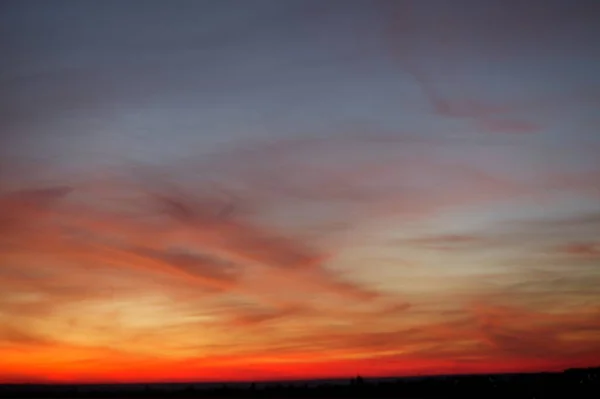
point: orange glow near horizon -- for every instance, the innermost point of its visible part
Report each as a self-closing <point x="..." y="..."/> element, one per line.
<point x="163" y="290"/>
<point x="122" y="369"/>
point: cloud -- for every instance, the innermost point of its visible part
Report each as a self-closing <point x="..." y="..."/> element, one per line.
<point x="509" y="126"/>
<point x="248" y="317"/>
<point x="359" y="174"/>
<point x="567" y="235"/>
<point x="587" y="182"/>
<point x="540" y="334"/>
<point x="171" y="254"/>
<point x="208" y="269"/>
<point x="27" y="205"/>
<point x="12" y="335"/>
<point x="445" y="242"/>
<point x="585" y="221"/>
<point x="584" y="250"/>
<point x="239" y="238"/>
<point x="155" y="240"/>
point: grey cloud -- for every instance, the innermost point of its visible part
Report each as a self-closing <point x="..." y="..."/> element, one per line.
<point x="194" y="264"/>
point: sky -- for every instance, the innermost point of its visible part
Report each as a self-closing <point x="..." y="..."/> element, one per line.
<point x="250" y="190"/>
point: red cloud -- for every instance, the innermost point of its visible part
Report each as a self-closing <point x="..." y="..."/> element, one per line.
<point x="586" y="250"/>
<point x="232" y="273"/>
<point x="445" y="242"/>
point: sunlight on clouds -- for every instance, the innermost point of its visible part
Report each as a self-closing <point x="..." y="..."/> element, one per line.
<point x="176" y="277"/>
<point x="172" y="278"/>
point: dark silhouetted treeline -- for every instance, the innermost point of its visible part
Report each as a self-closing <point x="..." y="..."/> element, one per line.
<point x="574" y="383"/>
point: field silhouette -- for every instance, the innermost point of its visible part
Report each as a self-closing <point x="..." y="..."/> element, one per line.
<point x="571" y="383"/>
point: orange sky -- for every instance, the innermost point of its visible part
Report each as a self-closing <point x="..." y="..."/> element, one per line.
<point x="113" y="279"/>
<point x="296" y="190"/>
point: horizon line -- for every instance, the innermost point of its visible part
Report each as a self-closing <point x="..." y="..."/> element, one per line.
<point x="294" y="380"/>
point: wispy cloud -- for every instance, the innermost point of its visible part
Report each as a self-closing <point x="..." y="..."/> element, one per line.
<point x="586" y="250"/>
<point x="537" y="334"/>
<point x="435" y="47"/>
<point x="509" y="126"/>
<point x="180" y="244"/>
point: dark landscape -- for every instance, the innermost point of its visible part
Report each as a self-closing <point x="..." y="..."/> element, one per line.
<point x="571" y="383"/>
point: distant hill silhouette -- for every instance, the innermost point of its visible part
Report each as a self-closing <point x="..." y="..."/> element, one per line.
<point x="571" y="383"/>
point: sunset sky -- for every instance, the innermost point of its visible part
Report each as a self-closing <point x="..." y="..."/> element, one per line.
<point x="265" y="189"/>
